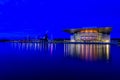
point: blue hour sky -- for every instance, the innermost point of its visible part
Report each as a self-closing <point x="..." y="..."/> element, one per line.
<point x="20" y="18"/>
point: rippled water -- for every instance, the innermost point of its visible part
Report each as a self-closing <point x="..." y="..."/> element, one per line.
<point x="48" y="61"/>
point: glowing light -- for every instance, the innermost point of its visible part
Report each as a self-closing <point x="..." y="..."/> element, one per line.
<point x="51" y="49"/>
<point x="107" y="51"/>
<point x="72" y="40"/>
<point x="107" y="40"/>
<point x="88" y="52"/>
<point x="89" y="31"/>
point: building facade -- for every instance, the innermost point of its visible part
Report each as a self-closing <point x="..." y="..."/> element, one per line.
<point x="90" y="34"/>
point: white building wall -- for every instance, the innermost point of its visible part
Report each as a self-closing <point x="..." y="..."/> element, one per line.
<point x="77" y="37"/>
<point x="106" y="38"/>
<point x="72" y="38"/>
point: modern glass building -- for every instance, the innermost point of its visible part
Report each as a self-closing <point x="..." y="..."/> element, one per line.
<point x="90" y="34"/>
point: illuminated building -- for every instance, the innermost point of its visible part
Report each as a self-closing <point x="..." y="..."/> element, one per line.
<point x="90" y="34"/>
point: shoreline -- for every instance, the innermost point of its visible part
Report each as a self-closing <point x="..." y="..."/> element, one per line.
<point x="65" y="42"/>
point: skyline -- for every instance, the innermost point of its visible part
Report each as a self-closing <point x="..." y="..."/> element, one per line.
<point x="26" y="17"/>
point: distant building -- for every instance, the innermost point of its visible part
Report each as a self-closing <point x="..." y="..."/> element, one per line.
<point x="90" y="34"/>
<point x="46" y="37"/>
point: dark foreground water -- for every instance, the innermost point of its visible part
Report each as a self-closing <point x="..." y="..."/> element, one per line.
<point x="37" y="61"/>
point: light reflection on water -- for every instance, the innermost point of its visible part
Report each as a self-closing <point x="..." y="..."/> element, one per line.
<point x="29" y="60"/>
<point x="35" y="46"/>
<point x="88" y="52"/>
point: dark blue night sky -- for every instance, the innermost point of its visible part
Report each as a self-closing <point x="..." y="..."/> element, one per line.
<point x="19" y="18"/>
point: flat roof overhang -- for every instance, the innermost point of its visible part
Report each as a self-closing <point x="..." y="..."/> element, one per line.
<point x="99" y="30"/>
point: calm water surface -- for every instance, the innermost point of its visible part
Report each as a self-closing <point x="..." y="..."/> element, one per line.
<point x="42" y="61"/>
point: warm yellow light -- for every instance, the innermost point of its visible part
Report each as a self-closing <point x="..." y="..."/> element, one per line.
<point x="107" y="51"/>
<point x="72" y="40"/>
<point x="107" y="41"/>
<point x="89" y="30"/>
